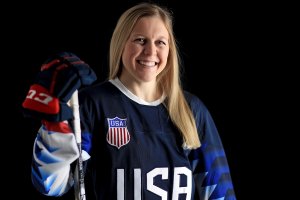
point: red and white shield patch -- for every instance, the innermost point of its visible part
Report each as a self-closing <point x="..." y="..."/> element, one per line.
<point x="117" y="134"/>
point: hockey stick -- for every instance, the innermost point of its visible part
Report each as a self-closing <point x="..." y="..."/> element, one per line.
<point x="79" y="187"/>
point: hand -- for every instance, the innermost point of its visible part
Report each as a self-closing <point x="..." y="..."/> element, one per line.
<point x="59" y="77"/>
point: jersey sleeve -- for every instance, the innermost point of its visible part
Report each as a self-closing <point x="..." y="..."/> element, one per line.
<point x="209" y="163"/>
<point x="54" y="151"/>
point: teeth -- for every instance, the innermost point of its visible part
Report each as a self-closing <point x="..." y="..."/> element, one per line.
<point x="148" y="63"/>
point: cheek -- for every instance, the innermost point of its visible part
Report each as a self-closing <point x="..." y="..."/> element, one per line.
<point x="130" y="53"/>
<point x="164" y="60"/>
<point x="164" y="56"/>
<point x="133" y="49"/>
<point x="127" y="54"/>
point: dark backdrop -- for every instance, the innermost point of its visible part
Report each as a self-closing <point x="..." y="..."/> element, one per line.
<point x="221" y="44"/>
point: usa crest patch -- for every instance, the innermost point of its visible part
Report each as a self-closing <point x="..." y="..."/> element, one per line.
<point x="117" y="134"/>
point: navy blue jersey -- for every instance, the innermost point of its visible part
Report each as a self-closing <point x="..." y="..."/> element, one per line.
<point x="136" y="153"/>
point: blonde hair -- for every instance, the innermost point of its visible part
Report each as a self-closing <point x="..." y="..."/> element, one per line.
<point x="168" y="80"/>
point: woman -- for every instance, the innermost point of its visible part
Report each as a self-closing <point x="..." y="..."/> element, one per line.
<point x="143" y="137"/>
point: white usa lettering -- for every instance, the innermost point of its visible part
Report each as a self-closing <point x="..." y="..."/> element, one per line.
<point x="164" y="173"/>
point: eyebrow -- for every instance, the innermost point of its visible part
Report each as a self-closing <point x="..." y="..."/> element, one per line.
<point x="141" y="35"/>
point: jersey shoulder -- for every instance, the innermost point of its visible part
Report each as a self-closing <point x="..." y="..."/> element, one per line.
<point x="99" y="90"/>
<point x="195" y="103"/>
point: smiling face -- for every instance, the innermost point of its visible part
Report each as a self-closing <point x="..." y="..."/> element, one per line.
<point x="146" y="50"/>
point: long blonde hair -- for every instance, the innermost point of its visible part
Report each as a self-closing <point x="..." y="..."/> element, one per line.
<point x="168" y="80"/>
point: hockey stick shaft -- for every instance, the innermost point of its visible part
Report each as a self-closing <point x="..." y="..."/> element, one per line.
<point x="80" y="188"/>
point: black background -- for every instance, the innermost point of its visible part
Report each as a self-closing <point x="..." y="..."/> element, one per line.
<point x="226" y="50"/>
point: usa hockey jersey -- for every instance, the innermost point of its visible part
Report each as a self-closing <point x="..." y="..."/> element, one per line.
<point x="132" y="151"/>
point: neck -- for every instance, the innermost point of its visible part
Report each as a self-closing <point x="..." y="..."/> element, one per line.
<point x="148" y="91"/>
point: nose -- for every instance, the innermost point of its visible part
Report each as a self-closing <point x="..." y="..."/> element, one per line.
<point x="150" y="48"/>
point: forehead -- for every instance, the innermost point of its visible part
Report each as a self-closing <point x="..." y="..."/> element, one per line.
<point x="150" y="24"/>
